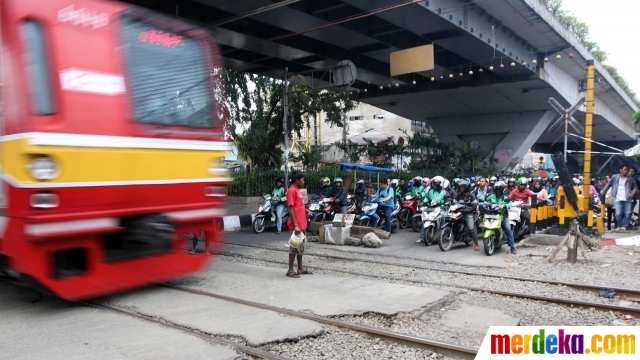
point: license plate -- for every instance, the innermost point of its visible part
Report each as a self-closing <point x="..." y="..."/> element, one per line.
<point x="491" y="216"/>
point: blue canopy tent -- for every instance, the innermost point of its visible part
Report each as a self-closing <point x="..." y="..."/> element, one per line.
<point x="356" y="167"/>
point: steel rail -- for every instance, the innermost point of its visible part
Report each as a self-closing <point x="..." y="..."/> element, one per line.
<point x="559" y="301"/>
<point x="239" y="347"/>
<point x="630" y="294"/>
<point x="442" y="347"/>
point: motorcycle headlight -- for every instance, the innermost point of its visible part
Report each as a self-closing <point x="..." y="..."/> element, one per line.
<point x="43" y="168"/>
<point x="260" y="209"/>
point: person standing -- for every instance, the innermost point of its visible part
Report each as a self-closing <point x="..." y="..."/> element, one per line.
<point x="632" y="174"/>
<point x="385" y="197"/>
<point x="277" y="199"/>
<point x="623" y="190"/>
<point x="297" y="223"/>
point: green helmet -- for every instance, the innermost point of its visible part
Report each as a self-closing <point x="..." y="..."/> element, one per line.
<point x="523" y="181"/>
<point x="457" y="180"/>
<point x="337" y="180"/>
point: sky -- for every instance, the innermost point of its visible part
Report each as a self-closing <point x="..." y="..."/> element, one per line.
<point x="613" y="25"/>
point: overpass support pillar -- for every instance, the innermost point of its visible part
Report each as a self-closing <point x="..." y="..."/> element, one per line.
<point x="511" y="135"/>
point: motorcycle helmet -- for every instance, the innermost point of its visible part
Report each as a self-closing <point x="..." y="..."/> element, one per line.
<point x="325" y="181"/>
<point x="456" y="181"/>
<point x="472" y="179"/>
<point x="499" y="187"/>
<point x="493" y="180"/>
<point x="511" y="180"/>
<point x="360" y="182"/>
<point x="523" y="181"/>
<point x="464" y="185"/>
<point x="445" y="184"/>
<point x="395" y="182"/>
<point x="337" y="180"/>
<point x="426" y="182"/>
<point x="279" y="180"/>
<point x="437" y="182"/>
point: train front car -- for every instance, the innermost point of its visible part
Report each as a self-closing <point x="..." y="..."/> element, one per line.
<point x="111" y="148"/>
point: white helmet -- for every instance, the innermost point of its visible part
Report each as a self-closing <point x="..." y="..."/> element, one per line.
<point x="395" y="182"/>
<point x="360" y="181"/>
<point x="417" y="178"/>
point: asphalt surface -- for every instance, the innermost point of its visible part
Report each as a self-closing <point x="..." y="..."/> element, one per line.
<point x="402" y="244"/>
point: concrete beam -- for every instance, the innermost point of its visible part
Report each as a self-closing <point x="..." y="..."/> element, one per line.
<point x="510" y="135"/>
<point x="580" y="49"/>
<point x="567" y="86"/>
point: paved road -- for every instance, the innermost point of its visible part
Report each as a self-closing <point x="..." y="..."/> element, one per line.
<point x="402" y="244"/>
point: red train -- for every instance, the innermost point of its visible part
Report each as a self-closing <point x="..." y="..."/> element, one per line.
<point x="111" y="146"/>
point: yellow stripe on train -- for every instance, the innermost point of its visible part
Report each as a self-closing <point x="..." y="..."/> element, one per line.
<point x="82" y="164"/>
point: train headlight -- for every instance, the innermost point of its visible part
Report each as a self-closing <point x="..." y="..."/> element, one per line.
<point x="43" y="168"/>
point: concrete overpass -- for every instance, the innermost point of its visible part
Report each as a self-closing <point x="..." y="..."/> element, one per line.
<point x="503" y="109"/>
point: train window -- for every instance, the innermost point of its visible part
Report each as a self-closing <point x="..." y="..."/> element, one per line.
<point x="168" y="77"/>
<point x="37" y="68"/>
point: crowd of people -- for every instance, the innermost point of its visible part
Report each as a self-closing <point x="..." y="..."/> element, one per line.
<point x="619" y="193"/>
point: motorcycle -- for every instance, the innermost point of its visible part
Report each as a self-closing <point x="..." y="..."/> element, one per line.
<point x="321" y="210"/>
<point x="455" y="228"/>
<point x="492" y="233"/>
<point x="408" y="209"/>
<point x="430" y="220"/>
<point x="518" y="225"/>
<point x="367" y="219"/>
<point x="266" y="218"/>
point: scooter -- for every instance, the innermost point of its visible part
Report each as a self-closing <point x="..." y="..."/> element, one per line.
<point x="367" y="219"/>
<point x="455" y="228"/>
<point x="266" y="218"/>
<point x="492" y="233"/>
<point x="408" y="209"/>
<point x="430" y="219"/>
<point x="518" y="226"/>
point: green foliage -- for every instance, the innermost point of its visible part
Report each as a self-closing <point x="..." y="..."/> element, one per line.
<point x="309" y="158"/>
<point x="581" y="30"/>
<point x="254" y="110"/>
<point x="433" y="157"/>
<point x="622" y="82"/>
<point x="352" y="150"/>
<point x="636" y="118"/>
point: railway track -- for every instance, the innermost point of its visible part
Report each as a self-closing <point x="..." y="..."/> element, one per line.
<point x="635" y="312"/>
<point x="441" y="347"/>
<point x="214" y="339"/>
<point x="629" y="294"/>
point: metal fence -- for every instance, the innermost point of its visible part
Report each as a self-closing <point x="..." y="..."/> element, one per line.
<point x="260" y="182"/>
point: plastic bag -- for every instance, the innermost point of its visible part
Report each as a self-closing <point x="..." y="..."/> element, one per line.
<point x="296" y="240"/>
<point x="607" y="293"/>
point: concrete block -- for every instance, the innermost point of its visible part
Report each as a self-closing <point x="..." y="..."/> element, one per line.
<point x="216" y="316"/>
<point x="371" y="240"/>
<point x="353" y="241"/>
<point x="320" y="294"/>
<point x="478" y="319"/>
<point x="336" y="235"/>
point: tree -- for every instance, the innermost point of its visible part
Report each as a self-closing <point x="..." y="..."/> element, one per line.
<point x="636" y="118"/>
<point x="254" y="111"/>
<point x="351" y="149"/>
<point x="581" y="31"/>
<point x="310" y="158"/>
